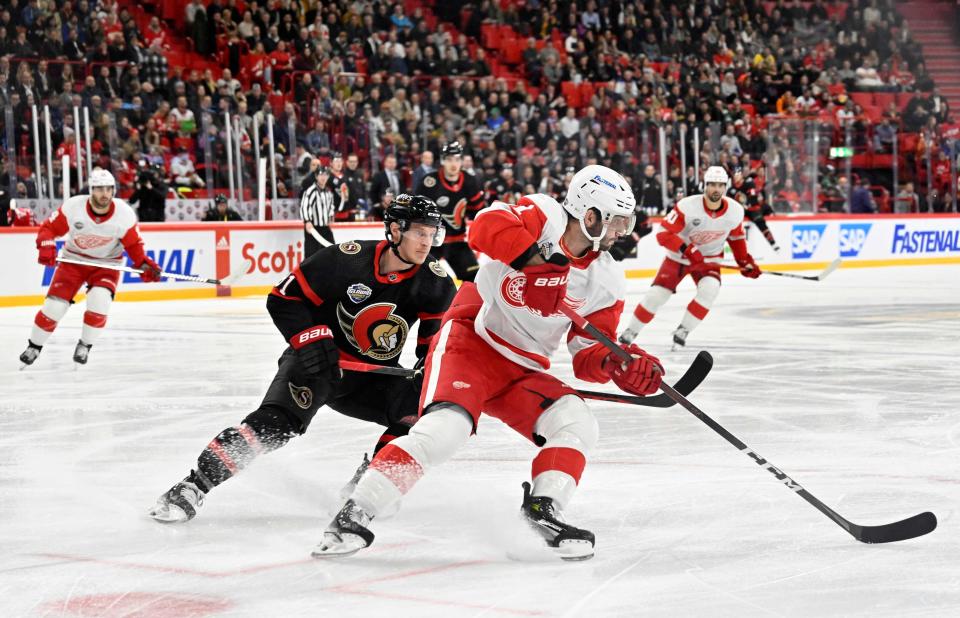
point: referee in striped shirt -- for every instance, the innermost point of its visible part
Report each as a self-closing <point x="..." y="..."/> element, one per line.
<point x="318" y="204"/>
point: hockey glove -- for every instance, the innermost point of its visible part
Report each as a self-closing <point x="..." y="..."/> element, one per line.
<point x="48" y="252"/>
<point x="151" y="270"/>
<point x="749" y="268"/>
<point x="693" y="254"/>
<point x="640" y="377"/>
<point x="546" y="285"/>
<point x="317" y="352"/>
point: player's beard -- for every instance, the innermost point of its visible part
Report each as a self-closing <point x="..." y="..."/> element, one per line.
<point x="98" y="206"/>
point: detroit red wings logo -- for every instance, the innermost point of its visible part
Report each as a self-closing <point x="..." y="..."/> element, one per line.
<point x="707" y="237"/>
<point x="456" y="219"/>
<point x="511" y="290"/>
<point x="375" y="331"/>
<point x="91" y="241"/>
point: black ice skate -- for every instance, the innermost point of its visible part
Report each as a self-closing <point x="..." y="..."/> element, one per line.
<point x="680" y="337"/>
<point x="568" y="542"/>
<point x="179" y="504"/>
<point x="347" y="533"/>
<point x="81" y="352"/>
<point x="30" y="354"/>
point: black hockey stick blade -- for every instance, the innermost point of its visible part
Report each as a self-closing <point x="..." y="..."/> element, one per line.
<point x="690" y="380"/>
<point x="909" y="528"/>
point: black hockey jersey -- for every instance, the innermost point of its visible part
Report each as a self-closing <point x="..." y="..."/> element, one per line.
<point x="371" y="314"/>
<point x="746" y="193"/>
<point x="456" y="201"/>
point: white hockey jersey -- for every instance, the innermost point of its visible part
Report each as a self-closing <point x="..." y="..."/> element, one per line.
<point x="595" y="286"/>
<point x="692" y="223"/>
<point x="92" y="236"/>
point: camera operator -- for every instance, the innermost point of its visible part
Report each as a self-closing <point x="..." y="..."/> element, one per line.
<point x="150" y="193"/>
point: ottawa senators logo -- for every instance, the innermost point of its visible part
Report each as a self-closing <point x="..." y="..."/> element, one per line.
<point x="375" y="331"/>
<point x="350" y="248"/>
<point x="455" y="219"/>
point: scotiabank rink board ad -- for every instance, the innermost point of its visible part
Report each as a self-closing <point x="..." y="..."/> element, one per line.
<point x="252" y="257"/>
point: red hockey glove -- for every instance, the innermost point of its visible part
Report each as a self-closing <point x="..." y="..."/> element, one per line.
<point x="317" y="352"/>
<point x="546" y="285"/>
<point x="641" y="377"/>
<point x="693" y="254"/>
<point x="749" y="268"/>
<point x="48" y="252"/>
<point x="151" y="270"/>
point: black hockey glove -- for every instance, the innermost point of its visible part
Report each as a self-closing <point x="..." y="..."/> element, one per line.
<point x="317" y="352"/>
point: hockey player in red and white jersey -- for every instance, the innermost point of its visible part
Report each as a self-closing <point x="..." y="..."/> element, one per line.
<point x="693" y="234"/>
<point x="98" y="227"/>
<point x="493" y="352"/>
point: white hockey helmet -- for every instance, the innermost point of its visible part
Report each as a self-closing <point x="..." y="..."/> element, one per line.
<point x="716" y="173"/>
<point x="100" y="177"/>
<point x="599" y="187"/>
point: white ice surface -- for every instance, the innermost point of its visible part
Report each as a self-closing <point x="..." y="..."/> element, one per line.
<point x="849" y="385"/>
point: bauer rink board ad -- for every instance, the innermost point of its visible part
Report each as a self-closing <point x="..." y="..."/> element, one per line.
<point x="252" y="257"/>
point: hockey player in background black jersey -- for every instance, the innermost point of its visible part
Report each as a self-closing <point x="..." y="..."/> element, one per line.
<point x="356" y="301"/>
<point x="458" y="195"/>
<point x="743" y="188"/>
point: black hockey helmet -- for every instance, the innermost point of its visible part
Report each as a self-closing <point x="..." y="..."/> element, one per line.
<point x="406" y="209"/>
<point x="451" y="149"/>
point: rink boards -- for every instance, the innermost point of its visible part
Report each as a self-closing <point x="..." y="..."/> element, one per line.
<point x="260" y="254"/>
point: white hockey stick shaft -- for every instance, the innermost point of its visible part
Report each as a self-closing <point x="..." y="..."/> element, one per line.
<point x="139" y="271"/>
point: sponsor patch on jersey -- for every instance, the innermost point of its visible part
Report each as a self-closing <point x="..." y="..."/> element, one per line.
<point x="429" y="181"/>
<point x="375" y="331"/>
<point x="78" y="225"/>
<point x="443" y="200"/>
<point x="359" y="292"/>
<point x="350" y="248"/>
<point x="438" y="269"/>
<point x="696" y="222"/>
<point x="457" y="384"/>
<point x="302" y="395"/>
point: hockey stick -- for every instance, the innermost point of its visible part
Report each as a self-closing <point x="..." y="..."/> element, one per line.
<point x="690" y="380"/>
<point x="915" y="526"/>
<point x="320" y="239"/>
<point x="832" y="266"/>
<point x="139" y="271"/>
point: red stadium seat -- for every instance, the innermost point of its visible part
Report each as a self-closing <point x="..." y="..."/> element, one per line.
<point x="864" y="99"/>
<point x="571" y="93"/>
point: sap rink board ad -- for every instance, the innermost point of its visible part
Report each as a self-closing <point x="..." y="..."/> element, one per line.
<point x="257" y="255"/>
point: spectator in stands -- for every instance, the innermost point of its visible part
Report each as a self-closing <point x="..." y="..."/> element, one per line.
<point x="649" y="192"/>
<point x="388" y="178"/>
<point x="884" y="135"/>
<point x="861" y="200"/>
<point x="183" y="172"/>
<point x="425" y="167"/>
<point x="907" y="200"/>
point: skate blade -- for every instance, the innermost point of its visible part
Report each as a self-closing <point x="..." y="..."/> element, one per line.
<point x="348" y="545"/>
<point x="23" y="366"/>
<point x="168" y="515"/>
<point x="568" y="551"/>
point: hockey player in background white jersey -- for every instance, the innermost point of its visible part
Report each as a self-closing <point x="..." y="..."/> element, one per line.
<point x="493" y="352"/>
<point x="98" y="227"/>
<point x="693" y="234"/>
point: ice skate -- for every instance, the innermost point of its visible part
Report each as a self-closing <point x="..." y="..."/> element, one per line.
<point x="568" y="542"/>
<point x="30" y="354"/>
<point x="81" y="352"/>
<point x="627" y="336"/>
<point x="680" y="337"/>
<point x="179" y="504"/>
<point x="347" y="533"/>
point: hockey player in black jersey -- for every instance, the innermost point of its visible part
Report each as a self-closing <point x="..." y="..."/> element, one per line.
<point x="458" y="195"/>
<point x="743" y="188"/>
<point x="357" y="301"/>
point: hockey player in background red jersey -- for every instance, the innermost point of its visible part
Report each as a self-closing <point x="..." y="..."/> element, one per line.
<point x="693" y="234"/>
<point x="98" y="227"/>
<point x="493" y="352"/>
